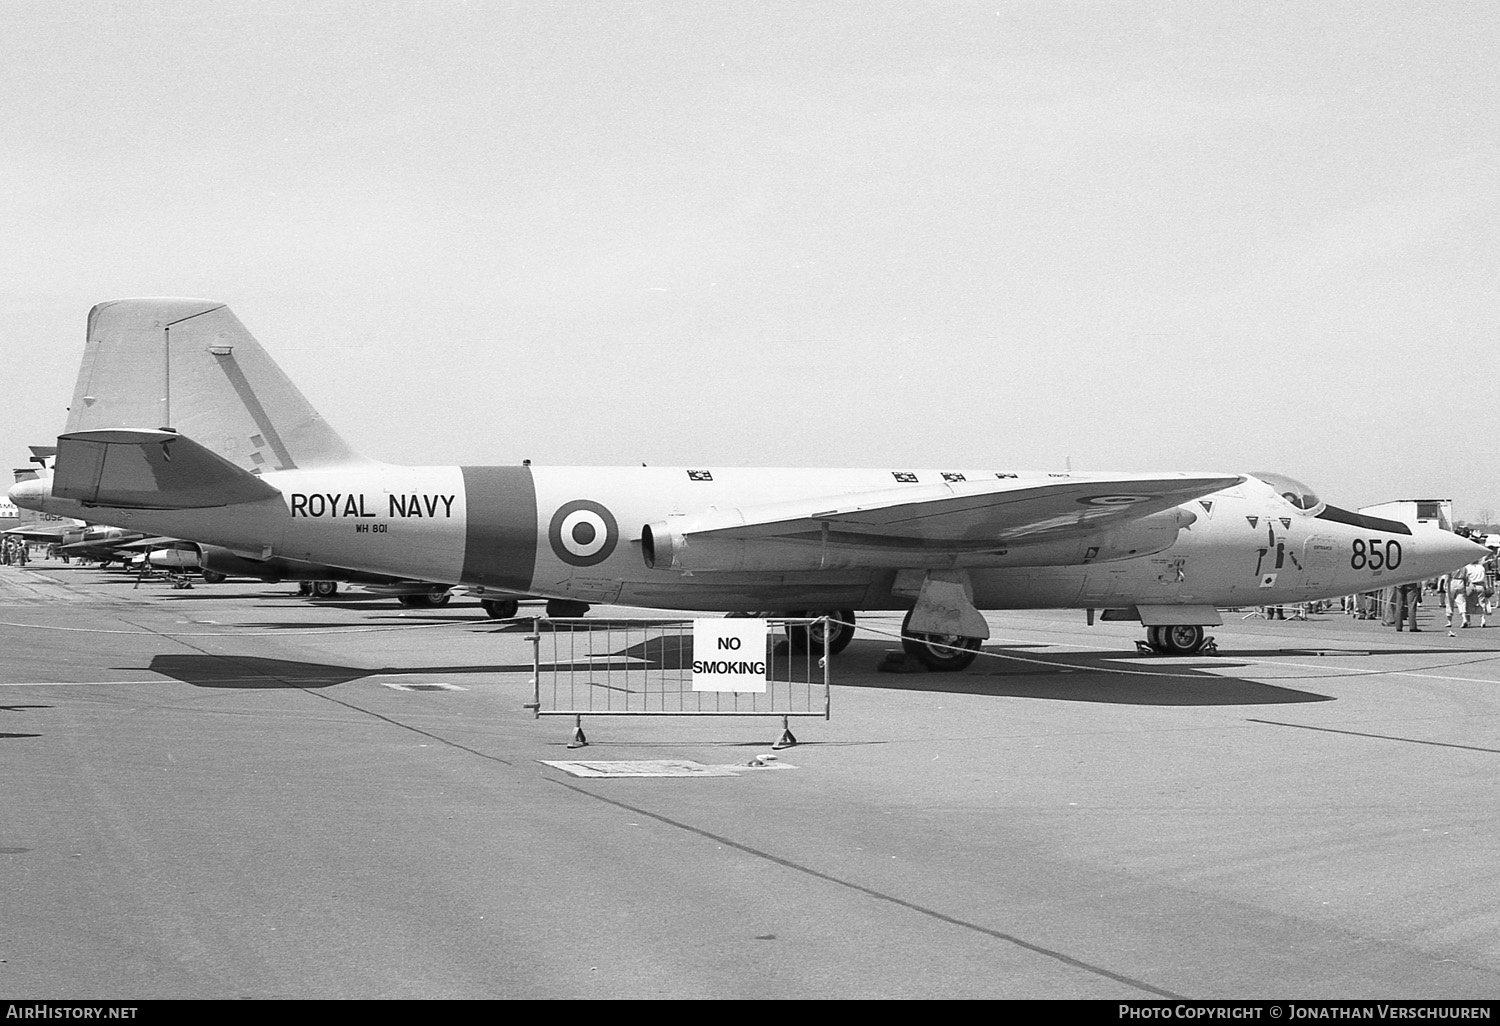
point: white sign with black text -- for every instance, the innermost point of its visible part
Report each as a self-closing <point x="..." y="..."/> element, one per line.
<point x="729" y="655"/>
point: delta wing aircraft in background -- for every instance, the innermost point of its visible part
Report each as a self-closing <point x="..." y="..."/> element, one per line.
<point x="182" y="425"/>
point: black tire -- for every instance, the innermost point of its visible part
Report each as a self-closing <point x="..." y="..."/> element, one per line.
<point x="440" y="597"/>
<point x="566" y="608"/>
<point x="214" y="577"/>
<point x="1153" y="639"/>
<point x="325" y="589"/>
<point x="945" y="653"/>
<point x="1180" y="639"/>
<point x="809" y="637"/>
<point x="500" y="609"/>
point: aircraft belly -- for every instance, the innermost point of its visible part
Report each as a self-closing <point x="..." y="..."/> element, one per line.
<point x="750" y="592"/>
<point x="1028" y="587"/>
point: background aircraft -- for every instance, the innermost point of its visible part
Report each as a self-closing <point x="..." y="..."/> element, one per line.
<point x="181" y="424"/>
<point x="31" y="525"/>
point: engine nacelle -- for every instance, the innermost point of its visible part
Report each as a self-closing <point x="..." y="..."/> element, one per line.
<point x="668" y="547"/>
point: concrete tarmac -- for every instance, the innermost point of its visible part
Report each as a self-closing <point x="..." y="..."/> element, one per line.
<point x="222" y="792"/>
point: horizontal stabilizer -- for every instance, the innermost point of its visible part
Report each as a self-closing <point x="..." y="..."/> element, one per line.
<point x="144" y="469"/>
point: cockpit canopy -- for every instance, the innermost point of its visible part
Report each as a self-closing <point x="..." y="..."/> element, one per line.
<point x="1292" y="490"/>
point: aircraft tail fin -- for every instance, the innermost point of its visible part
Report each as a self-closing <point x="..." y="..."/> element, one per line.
<point x="190" y="366"/>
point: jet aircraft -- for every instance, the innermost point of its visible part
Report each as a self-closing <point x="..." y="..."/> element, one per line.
<point x="33" y="526"/>
<point x="181" y="424"/>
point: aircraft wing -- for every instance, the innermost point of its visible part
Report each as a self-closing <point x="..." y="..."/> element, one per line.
<point x="965" y="516"/>
<point x="44" y="532"/>
<point x="143" y="544"/>
<point x="146" y="469"/>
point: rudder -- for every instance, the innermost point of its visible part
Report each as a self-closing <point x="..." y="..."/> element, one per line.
<point x="190" y="365"/>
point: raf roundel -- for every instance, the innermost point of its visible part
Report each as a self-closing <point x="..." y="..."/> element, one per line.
<point x="1113" y="500"/>
<point x="583" y="533"/>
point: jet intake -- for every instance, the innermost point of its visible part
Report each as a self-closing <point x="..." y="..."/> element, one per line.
<point x="660" y="546"/>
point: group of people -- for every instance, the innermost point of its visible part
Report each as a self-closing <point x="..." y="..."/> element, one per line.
<point x="1465" y="593"/>
<point x="1470" y="590"/>
<point x="13" y="551"/>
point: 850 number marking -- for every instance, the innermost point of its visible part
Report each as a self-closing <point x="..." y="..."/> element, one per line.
<point x="1375" y="554"/>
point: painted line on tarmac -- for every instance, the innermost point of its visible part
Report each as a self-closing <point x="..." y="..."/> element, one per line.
<point x="910" y="906"/>
<point x="323" y="631"/>
<point x="1383" y="737"/>
<point x="74" y="683"/>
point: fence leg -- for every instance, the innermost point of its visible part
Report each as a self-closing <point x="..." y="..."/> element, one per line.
<point x="786" y="740"/>
<point x="579" y="740"/>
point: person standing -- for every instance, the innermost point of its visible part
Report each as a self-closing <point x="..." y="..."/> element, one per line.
<point x="1390" y="606"/>
<point x="1458" y="606"/>
<point x="1474" y="592"/>
<point x="1408" y="597"/>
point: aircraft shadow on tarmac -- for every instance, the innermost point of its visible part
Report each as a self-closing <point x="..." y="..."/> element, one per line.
<point x="376" y="623"/>
<point x="1072" y="677"/>
<point x="1078" y="677"/>
<point x="4" y="734"/>
<point x="257" y="672"/>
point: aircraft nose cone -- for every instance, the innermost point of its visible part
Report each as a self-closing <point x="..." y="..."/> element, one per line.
<point x="29" y="494"/>
<point x="1449" y="551"/>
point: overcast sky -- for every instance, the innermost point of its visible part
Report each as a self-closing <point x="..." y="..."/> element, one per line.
<point x="1136" y="236"/>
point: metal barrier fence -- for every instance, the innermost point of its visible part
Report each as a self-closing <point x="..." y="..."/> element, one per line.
<point x="599" y="667"/>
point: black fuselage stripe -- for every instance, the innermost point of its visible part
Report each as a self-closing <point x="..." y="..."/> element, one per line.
<point x="1343" y="516"/>
<point x="500" y="529"/>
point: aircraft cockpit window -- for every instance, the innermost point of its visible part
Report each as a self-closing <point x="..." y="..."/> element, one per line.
<point x="1293" y="491"/>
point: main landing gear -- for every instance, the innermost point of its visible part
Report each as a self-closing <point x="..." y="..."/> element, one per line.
<point x="945" y="653"/>
<point x="808" y="637"/>
<point x="435" y="597"/>
<point x="1177" y="639"/>
<point x="500" y="609"/>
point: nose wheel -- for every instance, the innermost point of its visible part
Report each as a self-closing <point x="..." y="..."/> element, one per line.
<point x="1177" y="639"/>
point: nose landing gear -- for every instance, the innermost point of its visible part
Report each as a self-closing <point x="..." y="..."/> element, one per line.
<point x="1176" y="639"/>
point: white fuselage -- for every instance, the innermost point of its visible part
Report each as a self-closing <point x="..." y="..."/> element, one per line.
<point x="575" y="532"/>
